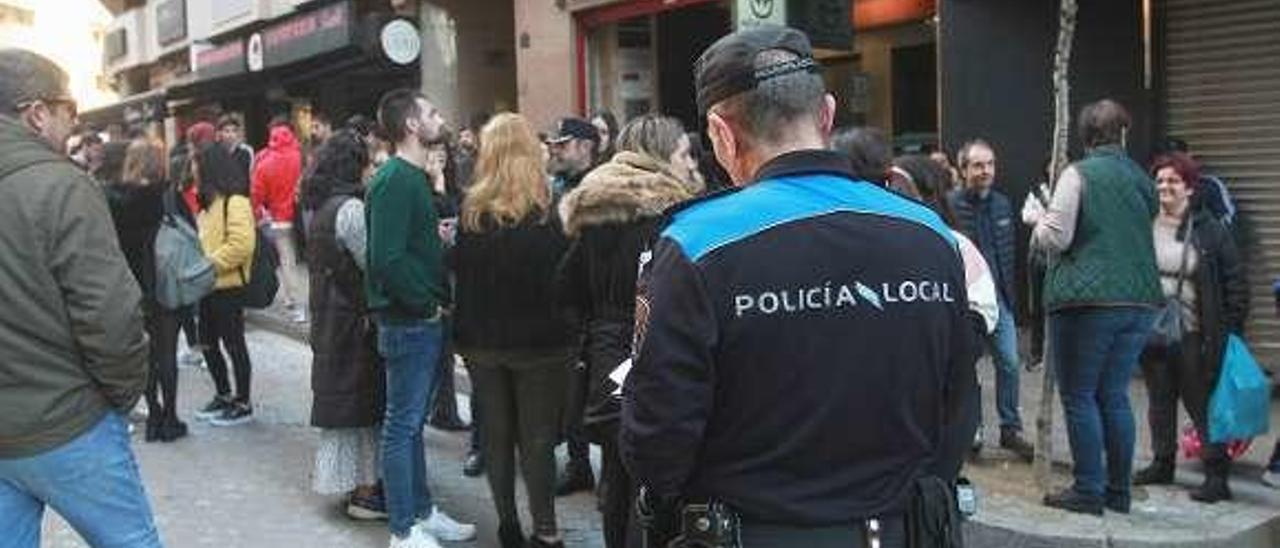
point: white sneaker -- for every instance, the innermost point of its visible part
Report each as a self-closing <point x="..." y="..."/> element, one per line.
<point x="1271" y="479"/>
<point x="417" y="538"/>
<point x="298" y="314"/>
<point x="443" y="527"/>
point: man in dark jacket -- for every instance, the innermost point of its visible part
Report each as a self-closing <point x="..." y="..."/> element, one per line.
<point x="231" y="135"/>
<point x="985" y="216"/>
<point x="73" y="354"/>
<point x="573" y="154"/>
<point x="800" y="341"/>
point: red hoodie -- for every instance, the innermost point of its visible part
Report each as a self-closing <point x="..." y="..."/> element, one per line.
<point x="275" y="176"/>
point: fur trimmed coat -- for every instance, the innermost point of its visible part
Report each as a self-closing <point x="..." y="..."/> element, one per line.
<point x="612" y="218"/>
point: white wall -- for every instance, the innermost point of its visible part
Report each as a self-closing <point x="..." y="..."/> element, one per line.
<point x="138" y="41"/>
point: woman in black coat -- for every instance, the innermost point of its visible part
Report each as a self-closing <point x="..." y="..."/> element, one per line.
<point x="1214" y="302"/>
<point x="508" y="323"/>
<point x="346" y="374"/>
<point x="612" y="217"/>
<point x="137" y="197"/>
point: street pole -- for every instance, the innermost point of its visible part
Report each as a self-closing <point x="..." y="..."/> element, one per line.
<point x="1058" y="161"/>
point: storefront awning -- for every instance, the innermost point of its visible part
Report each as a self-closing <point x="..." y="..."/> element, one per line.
<point x="141" y="108"/>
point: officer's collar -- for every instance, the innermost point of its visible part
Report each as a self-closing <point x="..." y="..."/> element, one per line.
<point x="806" y="162"/>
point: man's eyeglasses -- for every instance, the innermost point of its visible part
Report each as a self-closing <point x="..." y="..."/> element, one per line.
<point x="69" y="102"/>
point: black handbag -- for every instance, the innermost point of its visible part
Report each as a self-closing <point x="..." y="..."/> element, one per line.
<point x="1169" y="326"/>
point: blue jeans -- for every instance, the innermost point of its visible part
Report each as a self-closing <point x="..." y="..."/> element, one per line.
<point x="1002" y="345"/>
<point x="91" y="481"/>
<point x="411" y="350"/>
<point x="1095" y="351"/>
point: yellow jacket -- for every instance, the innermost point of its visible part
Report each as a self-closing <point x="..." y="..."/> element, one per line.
<point x="228" y="241"/>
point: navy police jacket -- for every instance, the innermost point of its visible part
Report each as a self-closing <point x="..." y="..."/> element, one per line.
<point x="800" y="348"/>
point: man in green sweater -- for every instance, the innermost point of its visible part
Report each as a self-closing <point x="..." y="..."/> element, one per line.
<point x="73" y="354"/>
<point x="405" y="288"/>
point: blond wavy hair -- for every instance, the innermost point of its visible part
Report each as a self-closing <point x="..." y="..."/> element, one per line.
<point x="510" y="176"/>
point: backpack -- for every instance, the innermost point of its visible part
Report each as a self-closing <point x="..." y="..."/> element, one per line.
<point x="183" y="274"/>
<point x="259" y="291"/>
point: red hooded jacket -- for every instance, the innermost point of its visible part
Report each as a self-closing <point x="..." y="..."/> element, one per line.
<point x="275" y="176"/>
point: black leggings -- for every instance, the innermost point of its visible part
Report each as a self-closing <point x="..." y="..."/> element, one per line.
<point x="222" y="320"/>
<point x="162" y="326"/>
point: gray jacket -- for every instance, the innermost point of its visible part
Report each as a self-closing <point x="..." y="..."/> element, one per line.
<point x="72" y="344"/>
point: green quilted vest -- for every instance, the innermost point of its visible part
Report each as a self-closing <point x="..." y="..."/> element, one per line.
<point x="1111" y="260"/>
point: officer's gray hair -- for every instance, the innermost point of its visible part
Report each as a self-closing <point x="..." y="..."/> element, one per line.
<point x="766" y="113"/>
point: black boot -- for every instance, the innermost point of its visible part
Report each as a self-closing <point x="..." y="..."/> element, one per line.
<point x="1215" y="486"/>
<point x="510" y="535"/>
<point x="1160" y="472"/>
<point x="577" y="477"/>
<point x="1072" y="501"/>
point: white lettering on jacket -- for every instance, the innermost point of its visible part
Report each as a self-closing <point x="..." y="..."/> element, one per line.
<point x="831" y="296"/>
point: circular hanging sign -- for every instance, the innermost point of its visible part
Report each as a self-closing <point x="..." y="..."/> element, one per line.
<point x="400" y="42"/>
<point x="254" y="53"/>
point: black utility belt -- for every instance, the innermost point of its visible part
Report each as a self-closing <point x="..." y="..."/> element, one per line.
<point x="713" y="524"/>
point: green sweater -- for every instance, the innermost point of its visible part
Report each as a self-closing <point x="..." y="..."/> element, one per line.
<point x="405" y="275"/>
<point x="1111" y="260"/>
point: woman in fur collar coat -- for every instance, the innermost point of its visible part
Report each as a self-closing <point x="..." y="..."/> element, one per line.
<point x="613" y="217"/>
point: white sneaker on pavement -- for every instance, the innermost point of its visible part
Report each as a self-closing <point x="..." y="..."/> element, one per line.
<point x="417" y="538"/>
<point x="443" y="527"/>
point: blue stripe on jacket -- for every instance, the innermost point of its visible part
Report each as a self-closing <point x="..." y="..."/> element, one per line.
<point x="711" y="225"/>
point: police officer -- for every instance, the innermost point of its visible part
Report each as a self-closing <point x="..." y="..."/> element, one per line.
<point x="799" y="339"/>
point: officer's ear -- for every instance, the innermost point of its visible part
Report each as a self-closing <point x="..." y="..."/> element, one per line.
<point x="827" y="117"/>
<point x="724" y="144"/>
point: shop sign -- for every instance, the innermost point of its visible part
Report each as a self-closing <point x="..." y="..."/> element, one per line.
<point x="752" y="13"/>
<point x="400" y="42"/>
<point x="253" y="56"/>
<point x="171" y="21"/>
<point x="116" y="44"/>
<point x="222" y="60"/>
<point x="307" y="35"/>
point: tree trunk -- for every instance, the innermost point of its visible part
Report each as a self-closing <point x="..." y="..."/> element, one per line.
<point x="1058" y="162"/>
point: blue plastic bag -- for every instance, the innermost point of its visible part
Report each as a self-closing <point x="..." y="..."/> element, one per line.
<point x="1240" y="407"/>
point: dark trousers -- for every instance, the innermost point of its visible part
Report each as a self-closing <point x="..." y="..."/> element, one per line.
<point x="521" y="398"/>
<point x="446" y="397"/>
<point x="162" y="384"/>
<point x="222" y="321"/>
<point x="893" y="534"/>
<point x="576" y="403"/>
<point x="616" y="497"/>
<point x="186" y="317"/>
<point x="1176" y="373"/>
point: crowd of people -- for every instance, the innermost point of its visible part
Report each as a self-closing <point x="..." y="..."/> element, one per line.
<point x="604" y="284"/>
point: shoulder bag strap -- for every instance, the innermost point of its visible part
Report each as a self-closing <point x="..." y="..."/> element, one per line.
<point x="1186" y="249"/>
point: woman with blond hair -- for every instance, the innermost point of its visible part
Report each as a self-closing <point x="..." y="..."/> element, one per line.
<point x="613" y="217"/>
<point x="508" y="325"/>
<point x="138" y="200"/>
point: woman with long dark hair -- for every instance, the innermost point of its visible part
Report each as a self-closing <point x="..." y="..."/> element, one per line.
<point x="509" y="326"/>
<point x="921" y="178"/>
<point x="347" y="379"/>
<point x="228" y="238"/>
<point x="607" y="127"/>
<point x="138" y="200"/>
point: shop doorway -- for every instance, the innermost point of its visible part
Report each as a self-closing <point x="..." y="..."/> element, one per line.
<point x="682" y="36"/>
